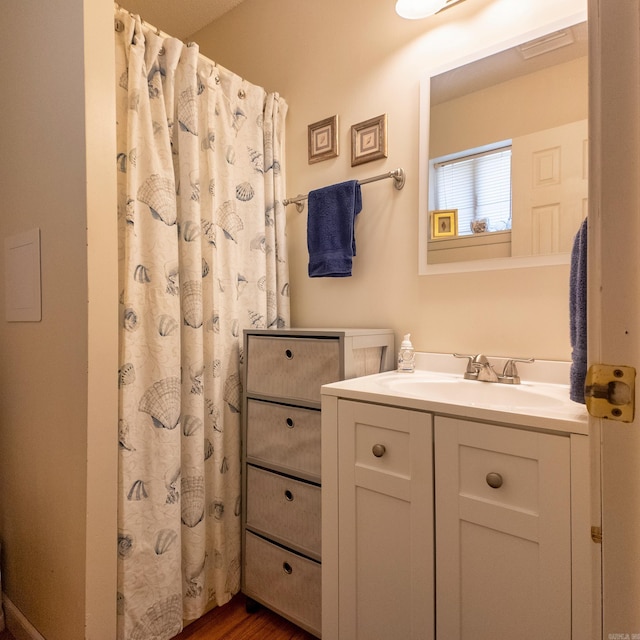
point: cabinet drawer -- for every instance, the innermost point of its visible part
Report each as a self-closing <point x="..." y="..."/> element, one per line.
<point x="288" y="437"/>
<point x="283" y="580"/>
<point x="293" y="368"/>
<point x="501" y="466"/>
<point x="283" y="508"/>
<point x="500" y="477"/>
<point x="381" y="449"/>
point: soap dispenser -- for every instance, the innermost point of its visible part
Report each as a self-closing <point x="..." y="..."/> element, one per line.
<point x="406" y="356"/>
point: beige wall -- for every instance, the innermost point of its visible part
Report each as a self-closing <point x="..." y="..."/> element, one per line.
<point x="102" y="323"/>
<point x="58" y="424"/>
<point x="357" y="59"/>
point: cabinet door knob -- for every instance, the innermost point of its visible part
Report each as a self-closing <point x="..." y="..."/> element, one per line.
<point x="378" y="450"/>
<point x="494" y="480"/>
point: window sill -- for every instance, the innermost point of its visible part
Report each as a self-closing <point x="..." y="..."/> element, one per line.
<point x="478" y="246"/>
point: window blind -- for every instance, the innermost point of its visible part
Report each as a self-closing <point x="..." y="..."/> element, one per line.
<point x="478" y="185"/>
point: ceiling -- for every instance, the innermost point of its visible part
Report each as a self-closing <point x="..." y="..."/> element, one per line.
<point x="171" y="17"/>
<point x="509" y="64"/>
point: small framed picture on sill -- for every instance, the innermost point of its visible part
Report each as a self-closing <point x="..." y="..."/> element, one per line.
<point x="444" y="223"/>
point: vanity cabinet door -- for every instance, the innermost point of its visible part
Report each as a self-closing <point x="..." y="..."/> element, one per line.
<point x="385" y="523"/>
<point x="503" y="533"/>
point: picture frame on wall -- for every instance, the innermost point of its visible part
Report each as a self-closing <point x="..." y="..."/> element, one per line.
<point x="444" y="223"/>
<point x="369" y="140"/>
<point x="323" y="139"/>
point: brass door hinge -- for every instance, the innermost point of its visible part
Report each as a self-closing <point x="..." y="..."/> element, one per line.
<point x="609" y="392"/>
<point x="596" y="534"/>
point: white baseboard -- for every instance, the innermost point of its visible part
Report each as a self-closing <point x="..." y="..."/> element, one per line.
<point x="20" y="627"/>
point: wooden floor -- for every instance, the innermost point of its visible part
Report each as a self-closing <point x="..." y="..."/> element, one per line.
<point x="232" y="622"/>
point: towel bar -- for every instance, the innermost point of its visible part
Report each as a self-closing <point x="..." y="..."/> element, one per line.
<point x="398" y="176"/>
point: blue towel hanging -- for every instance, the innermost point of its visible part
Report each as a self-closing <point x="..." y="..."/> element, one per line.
<point x="578" y="314"/>
<point x="330" y="229"/>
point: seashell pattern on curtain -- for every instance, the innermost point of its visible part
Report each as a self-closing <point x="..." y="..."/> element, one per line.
<point x="202" y="256"/>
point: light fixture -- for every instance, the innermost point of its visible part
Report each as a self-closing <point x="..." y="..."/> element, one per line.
<point x="416" y="9"/>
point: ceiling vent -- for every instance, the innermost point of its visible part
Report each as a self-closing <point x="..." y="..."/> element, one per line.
<point x="547" y="43"/>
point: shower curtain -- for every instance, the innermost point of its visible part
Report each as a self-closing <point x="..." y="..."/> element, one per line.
<point x="202" y="254"/>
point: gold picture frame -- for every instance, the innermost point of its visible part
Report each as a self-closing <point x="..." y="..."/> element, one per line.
<point x="369" y="140"/>
<point x="323" y="139"/>
<point x="444" y="223"/>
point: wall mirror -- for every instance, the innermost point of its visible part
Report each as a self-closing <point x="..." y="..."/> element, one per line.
<point x="525" y="100"/>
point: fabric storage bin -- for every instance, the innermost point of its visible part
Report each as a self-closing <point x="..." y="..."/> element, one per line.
<point x="293" y="368"/>
<point x="286" y="510"/>
<point x="285" y="581"/>
<point x="284" y="437"/>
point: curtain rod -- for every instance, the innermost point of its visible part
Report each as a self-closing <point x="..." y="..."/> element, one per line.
<point x="119" y="26"/>
<point x="144" y="23"/>
<point x="398" y="176"/>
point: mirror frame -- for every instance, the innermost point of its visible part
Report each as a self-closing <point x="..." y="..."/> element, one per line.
<point x="491" y="264"/>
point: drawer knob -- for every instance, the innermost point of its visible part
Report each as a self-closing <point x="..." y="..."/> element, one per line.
<point x="289" y="422"/>
<point x="288" y="495"/>
<point x="288" y="354"/>
<point x="378" y="450"/>
<point x="494" y="480"/>
<point x="287" y="568"/>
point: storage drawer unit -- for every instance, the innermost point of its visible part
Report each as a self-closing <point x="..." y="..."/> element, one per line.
<point x="284" y="371"/>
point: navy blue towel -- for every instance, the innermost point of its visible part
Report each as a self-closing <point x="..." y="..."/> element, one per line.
<point x="578" y="314"/>
<point x="330" y="229"/>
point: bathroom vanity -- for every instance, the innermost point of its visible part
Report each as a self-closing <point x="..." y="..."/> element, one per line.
<point x="455" y="509"/>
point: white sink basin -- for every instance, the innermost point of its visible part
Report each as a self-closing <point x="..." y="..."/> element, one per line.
<point x="457" y="390"/>
<point x="438" y="386"/>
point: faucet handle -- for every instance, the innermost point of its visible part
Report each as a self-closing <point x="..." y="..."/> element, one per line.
<point x="470" y="359"/>
<point x="473" y="364"/>
<point x="510" y="371"/>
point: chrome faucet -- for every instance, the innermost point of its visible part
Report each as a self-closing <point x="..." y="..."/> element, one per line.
<point x="479" y="368"/>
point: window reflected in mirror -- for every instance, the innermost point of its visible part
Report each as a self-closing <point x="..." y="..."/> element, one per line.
<point x="477" y="185"/>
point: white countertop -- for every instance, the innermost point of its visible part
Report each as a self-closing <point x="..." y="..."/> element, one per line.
<point x="559" y="414"/>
